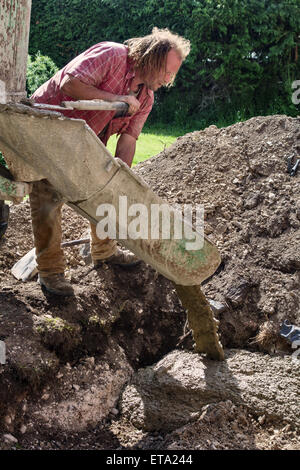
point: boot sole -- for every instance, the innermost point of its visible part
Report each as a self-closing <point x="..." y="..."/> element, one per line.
<point x="55" y="292"/>
<point x="125" y="265"/>
<point x="112" y="263"/>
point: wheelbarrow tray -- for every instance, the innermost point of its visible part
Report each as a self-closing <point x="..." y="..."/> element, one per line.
<point x="40" y="144"/>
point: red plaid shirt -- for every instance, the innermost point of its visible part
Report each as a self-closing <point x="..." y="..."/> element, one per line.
<point x="105" y="66"/>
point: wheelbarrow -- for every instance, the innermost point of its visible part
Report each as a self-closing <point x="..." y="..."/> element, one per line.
<point x="44" y="144"/>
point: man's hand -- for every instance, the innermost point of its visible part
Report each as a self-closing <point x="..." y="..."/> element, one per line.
<point x="134" y="104"/>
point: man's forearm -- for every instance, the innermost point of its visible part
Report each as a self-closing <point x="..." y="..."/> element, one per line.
<point x="126" y="148"/>
<point x="78" y="90"/>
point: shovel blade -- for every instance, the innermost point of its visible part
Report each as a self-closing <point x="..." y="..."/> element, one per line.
<point x="26" y="267"/>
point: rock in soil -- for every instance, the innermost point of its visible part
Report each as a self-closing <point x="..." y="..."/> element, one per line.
<point x="172" y="392"/>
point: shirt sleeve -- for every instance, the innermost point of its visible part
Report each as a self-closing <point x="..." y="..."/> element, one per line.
<point x="93" y="66"/>
<point x="138" y="120"/>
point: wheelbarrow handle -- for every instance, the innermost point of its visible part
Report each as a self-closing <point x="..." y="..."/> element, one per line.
<point x="96" y="105"/>
<point x="84" y="105"/>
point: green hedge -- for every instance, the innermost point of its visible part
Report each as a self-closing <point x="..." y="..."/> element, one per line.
<point x="244" y="54"/>
<point x="39" y="70"/>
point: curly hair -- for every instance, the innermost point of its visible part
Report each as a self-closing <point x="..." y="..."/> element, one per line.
<point x="149" y="53"/>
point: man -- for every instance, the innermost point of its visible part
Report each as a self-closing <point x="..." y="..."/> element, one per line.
<point x="128" y="72"/>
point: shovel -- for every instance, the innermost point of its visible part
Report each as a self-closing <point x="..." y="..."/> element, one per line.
<point x="26" y="267"/>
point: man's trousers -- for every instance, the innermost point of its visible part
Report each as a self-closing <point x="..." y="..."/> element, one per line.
<point x="46" y="205"/>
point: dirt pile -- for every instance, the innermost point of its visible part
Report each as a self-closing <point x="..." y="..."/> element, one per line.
<point x="252" y="213"/>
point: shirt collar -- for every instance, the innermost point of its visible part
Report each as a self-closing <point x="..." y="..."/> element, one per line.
<point x="130" y="74"/>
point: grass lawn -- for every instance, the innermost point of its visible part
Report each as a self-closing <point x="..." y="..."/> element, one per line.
<point x="151" y="141"/>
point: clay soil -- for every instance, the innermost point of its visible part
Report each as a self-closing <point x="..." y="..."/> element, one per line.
<point x="252" y="213"/>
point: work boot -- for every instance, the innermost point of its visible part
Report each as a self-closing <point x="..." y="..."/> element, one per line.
<point x="56" y="284"/>
<point x="121" y="257"/>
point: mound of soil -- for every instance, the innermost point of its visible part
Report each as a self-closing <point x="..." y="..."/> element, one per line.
<point x="252" y="213"/>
